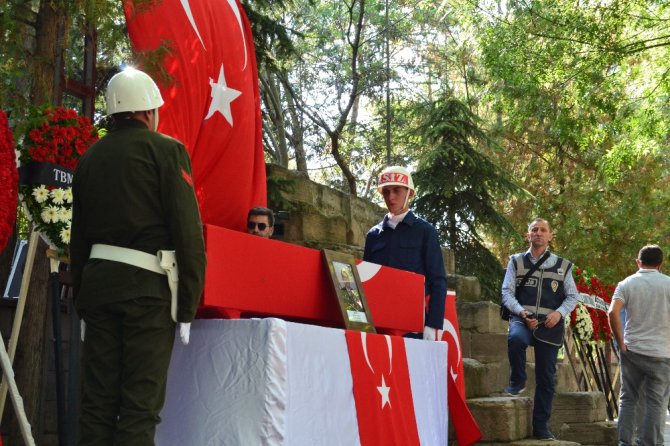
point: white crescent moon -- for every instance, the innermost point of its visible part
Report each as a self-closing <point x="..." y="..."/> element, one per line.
<point x="367" y="270"/>
<point x="187" y="9"/>
<point x="448" y="327"/>
<point x="236" y="10"/>
<point x="365" y="351"/>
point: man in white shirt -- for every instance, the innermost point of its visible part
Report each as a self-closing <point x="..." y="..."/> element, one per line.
<point x="644" y="346"/>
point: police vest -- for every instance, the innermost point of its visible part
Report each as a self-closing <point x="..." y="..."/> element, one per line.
<point x="543" y="293"/>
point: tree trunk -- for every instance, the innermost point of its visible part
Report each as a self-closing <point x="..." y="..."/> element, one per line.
<point x="272" y="99"/>
<point x="348" y="176"/>
<point x="297" y="135"/>
<point x="31" y="356"/>
<point x="46" y="72"/>
<point x="31" y="363"/>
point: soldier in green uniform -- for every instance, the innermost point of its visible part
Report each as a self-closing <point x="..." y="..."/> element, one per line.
<point x="133" y="196"/>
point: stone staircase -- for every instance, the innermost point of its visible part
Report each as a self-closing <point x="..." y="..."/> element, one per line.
<point x="577" y="418"/>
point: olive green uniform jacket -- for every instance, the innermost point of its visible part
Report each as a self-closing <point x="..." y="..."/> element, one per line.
<point x="133" y="189"/>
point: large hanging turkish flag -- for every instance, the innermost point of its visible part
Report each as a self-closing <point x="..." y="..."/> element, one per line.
<point x="212" y="104"/>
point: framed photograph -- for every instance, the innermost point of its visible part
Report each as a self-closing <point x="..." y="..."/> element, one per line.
<point x="349" y="291"/>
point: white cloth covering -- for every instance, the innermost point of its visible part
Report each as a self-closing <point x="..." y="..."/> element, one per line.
<point x="270" y="382"/>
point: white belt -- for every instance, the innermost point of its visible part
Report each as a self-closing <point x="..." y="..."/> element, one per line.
<point x="165" y="263"/>
<point x="133" y="257"/>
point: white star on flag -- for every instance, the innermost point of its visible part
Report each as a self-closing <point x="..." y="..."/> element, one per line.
<point x="222" y="96"/>
<point x="384" y="392"/>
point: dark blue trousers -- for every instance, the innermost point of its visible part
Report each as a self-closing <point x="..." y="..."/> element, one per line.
<point x="518" y="340"/>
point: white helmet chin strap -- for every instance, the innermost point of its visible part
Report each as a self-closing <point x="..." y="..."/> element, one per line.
<point x="407" y="197"/>
<point x="156" y="120"/>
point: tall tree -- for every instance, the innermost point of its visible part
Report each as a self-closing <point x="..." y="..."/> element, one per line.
<point x="458" y="186"/>
<point x="578" y="97"/>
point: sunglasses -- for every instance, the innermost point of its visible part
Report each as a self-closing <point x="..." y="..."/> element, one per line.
<point x="252" y="225"/>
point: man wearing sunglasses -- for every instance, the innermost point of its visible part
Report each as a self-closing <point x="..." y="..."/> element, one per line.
<point x="261" y="221"/>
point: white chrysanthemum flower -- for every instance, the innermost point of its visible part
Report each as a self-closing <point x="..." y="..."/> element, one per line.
<point x="57" y="195"/>
<point x="41" y="193"/>
<point x="67" y="195"/>
<point x="583" y="324"/>
<point x="65" y="235"/>
<point x="50" y="214"/>
<point x="64" y="214"/>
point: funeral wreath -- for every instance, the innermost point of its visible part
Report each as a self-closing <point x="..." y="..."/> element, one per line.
<point x="9" y="180"/>
<point x="51" y="144"/>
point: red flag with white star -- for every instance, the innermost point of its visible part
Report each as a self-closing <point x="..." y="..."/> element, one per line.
<point x="382" y="391"/>
<point x="212" y="103"/>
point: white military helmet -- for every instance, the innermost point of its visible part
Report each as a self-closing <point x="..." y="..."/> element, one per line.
<point x="132" y="90"/>
<point x="395" y="176"/>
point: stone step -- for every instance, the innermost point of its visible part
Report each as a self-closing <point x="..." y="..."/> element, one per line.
<point x="592" y="434"/>
<point x="481" y="317"/>
<point x="502" y="418"/>
<point x="489" y="379"/>
<point x="531" y="442"/>
<point x="484" y="379"/>
<point x="491" y="347"/>
<point x="484" y="347"/>
<point x="577" y="407"/>
<point x="577" y="418"/>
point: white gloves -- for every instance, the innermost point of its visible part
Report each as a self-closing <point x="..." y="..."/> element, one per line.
<point x="432" y="334"/>
<point x="184" y="332"/>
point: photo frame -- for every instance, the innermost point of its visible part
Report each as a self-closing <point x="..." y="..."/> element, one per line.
<point x="347" y="287"/>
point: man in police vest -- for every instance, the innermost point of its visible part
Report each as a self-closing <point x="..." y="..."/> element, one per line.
<point x="133" y="197"/>
<point x="539" y="292"/>
<point x="404" y="241"/>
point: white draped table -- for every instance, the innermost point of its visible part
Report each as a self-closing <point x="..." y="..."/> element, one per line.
<point x="253" y="382"/>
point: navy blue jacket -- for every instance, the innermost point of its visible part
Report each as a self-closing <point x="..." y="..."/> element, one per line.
<point x="412" y="246"/>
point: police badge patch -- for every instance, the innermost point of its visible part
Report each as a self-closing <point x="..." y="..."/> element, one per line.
<point x="554" y="285"/>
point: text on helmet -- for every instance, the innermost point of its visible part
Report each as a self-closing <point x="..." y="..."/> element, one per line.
<point x="394" y="177"/>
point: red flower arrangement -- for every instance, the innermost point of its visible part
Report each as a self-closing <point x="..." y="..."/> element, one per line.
<point x="9" y="178"/>
<point x="53" y="141"/>
<point x="592" y="285"/>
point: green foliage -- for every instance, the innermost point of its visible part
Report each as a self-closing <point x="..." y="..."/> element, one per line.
<point x="580" y="103"/>
<point x="573" y="101"/>
<point x="457" y="187"/>
<point x="276" y="187"/>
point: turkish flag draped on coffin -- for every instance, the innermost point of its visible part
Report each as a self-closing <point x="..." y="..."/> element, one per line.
<point x="382" y="391"/>
<point x="212" y="103"/>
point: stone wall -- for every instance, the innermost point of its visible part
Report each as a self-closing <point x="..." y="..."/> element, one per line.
<point x="324" y="218"/>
